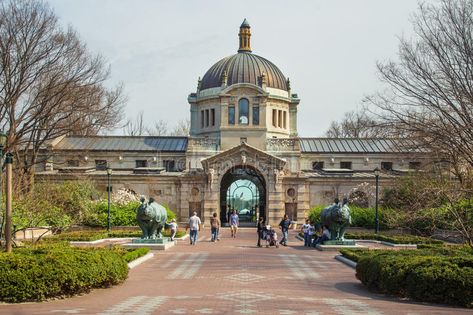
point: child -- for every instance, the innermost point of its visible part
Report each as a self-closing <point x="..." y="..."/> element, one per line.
<point x="173" y="226"/>
<point x="305" y="229"/>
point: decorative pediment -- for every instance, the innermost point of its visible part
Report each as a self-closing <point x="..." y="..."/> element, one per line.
<point x="241" y="155"/>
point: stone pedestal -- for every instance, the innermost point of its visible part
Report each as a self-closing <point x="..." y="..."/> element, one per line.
<point x="156" y="244"/>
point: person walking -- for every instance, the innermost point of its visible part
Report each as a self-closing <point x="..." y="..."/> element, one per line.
<point x="194" y="227"/>
<point x="305" y="230"/>
<point x="234" y="222"/>
<point x="284" y="226"/>
<point x="215" y="227"/>
<point x="259" y="230"/>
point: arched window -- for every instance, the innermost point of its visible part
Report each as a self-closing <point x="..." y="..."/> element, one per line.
<point x="243" y="110"/>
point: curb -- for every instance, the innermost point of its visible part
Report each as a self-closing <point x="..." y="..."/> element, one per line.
<point x="406" y="246"/>
<point x="346" y="261"/>
<point x="140" y="260"/>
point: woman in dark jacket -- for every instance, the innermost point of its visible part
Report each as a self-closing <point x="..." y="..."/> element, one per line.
<point x="259" y="230"/>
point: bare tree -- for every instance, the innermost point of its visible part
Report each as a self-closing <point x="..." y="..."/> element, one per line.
<point x="429" y="93"/>
<point x="50" y="85"/>
<point x="355" y="124"/>
<point x="136" y="127"/>
<point x="160" y="128"/>
<point x="182" y="128"/>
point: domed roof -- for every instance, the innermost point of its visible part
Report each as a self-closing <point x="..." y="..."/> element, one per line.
<point x="244" y="67"/>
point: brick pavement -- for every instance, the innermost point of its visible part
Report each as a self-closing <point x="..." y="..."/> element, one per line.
<point x="233" y="276"/>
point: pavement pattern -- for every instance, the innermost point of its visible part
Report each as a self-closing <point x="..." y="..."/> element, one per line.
<point x="233" y="276"/>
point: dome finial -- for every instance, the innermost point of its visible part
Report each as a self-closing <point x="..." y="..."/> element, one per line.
<point x="244" y="35"/>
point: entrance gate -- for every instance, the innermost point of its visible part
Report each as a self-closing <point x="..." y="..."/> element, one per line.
<point x="243" y="189"/>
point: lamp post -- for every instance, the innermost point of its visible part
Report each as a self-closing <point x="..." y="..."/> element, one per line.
<point x="109" y="191"/>
<point x="3" y="141"/>
<point x="376" y="175"/>
<point x="8" y="213"/>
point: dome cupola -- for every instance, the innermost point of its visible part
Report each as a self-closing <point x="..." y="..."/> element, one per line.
<point x="244" y="67"/>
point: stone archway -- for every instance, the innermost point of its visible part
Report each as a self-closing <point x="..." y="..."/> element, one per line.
<point x="246" y="173"/>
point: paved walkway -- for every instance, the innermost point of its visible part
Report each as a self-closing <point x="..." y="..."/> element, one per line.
<point x="233" y="276"/>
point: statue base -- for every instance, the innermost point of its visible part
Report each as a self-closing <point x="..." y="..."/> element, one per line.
<point x="153" y="244"/>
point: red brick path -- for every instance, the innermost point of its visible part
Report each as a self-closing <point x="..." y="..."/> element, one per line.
<point x="233" y="276"/>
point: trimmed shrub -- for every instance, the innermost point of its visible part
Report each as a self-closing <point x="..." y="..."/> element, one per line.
<point x="36" y="274"/>
<point x="441" y="275"/>
<point x="131" y="255"/>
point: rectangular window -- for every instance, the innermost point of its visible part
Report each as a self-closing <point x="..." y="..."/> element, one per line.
<point x="141" y="163"/>
<point x="345" y="165"/>
<point x="201" y="119"/>
<point x="169" y="165"/>
<point x="279" y="118"/>
<point x="414" y="165"/>
<point x="256" y="115"/>
<point x="243" y="111"/>
<point x="212" y="116"/>
<point x="284" y="120"/>
<point x="231" y="115"/>
<point x="73" y="163"/>
<point x="318" y="165"/>
<point x="100" y="165"/>
<point x="207" y="118"/>
<point x="275" y="124"/>
<point x="387" y="166"/>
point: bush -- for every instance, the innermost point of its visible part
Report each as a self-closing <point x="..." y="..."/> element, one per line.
<point x="36" y="274"/>
<point x="134" y="254"/>
<point x="440" y="274"/>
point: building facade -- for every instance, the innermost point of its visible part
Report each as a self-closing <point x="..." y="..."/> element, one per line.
<point x="243" y="151"/>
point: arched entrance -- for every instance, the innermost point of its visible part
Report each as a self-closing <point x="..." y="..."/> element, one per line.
<point x="243" y="189"/>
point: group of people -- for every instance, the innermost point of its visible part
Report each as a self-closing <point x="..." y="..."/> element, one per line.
<point x="195" y="224"/>
<point x="311" y="237"/>
<point x="264" y="232"/>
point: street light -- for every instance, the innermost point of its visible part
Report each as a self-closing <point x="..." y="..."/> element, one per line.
<point x="8" y="213"/>
<point x="376" y="175"/>
<point x="3" y="142"/>
<point x="109" y="190"/>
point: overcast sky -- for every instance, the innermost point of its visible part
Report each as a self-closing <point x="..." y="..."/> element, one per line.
<point x="158" y="49"/>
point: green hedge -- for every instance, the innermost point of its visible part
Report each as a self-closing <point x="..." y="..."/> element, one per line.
<point x="395" y="239"/>
<point x="36" y="274"/>
<point x="131" y="254"/>
<point x="88" y="236"/>
<point x="435" y="274"/>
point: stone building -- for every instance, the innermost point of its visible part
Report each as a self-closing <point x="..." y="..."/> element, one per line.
<point x="243" y="151"/>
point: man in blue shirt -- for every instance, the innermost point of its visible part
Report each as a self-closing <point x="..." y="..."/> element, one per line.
<point x="284" y="226"/>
